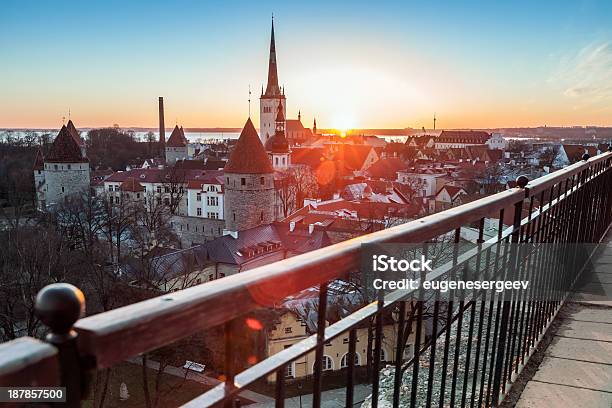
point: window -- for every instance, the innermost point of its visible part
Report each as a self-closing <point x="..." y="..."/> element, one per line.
<point x="327" y="364"/>
<point x="158" y="200"/>
<point x="344" y="360"/>
<point x="55" y="166"/>
<point x="159" y="189"/>
<point x="137" y="195"/>
<point x="242" y="181"/>
<point x="166" y="189"/>
<point x="111" y="199"/>
<point x="198" y="197"/>
<point x="276" y="161"/>
<point x="199" y="211"/>
<point x="290" y="371"/>
<point x="167" y="201"/>
<point x="262" y="181"/>
<point x="110" y="188"/>
<point x="68" y="167"/>
<point x="288" y="330"/>
<point x="62" y="189"/>
<point x="261" y="216"/>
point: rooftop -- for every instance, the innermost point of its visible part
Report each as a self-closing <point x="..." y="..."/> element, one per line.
<point x="249" y="155"/>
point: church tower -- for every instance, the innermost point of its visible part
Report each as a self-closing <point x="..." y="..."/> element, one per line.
<point x="249" y="183"/>
<point x="271" y="98"/>
<point x="277" y="145"/>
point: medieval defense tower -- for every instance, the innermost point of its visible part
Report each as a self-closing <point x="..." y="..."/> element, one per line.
<point x="65" y="170"/>
<point x="249" y="183"/>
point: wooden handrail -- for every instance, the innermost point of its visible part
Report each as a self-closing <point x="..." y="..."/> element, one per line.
<point x="19" y="357"/>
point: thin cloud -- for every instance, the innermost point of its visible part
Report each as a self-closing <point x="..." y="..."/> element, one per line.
<point x="587" y="74"/>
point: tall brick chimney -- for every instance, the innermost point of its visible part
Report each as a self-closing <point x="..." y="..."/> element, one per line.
<point x="162" y="127"/>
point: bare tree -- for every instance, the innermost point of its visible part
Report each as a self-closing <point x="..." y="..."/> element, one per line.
<point x="547" y="156"/>
<point x="31" y="258"/>
<point x="293" y="186"/>
<point x="173" y="187"/>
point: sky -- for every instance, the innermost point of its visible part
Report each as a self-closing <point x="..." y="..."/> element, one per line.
<point x="370" y="64"/>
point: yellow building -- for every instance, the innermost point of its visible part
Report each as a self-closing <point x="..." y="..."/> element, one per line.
<point x="291" y="329"/>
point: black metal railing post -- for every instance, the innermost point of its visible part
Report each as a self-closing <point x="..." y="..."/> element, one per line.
<point x="318" y="364"/>
<point x="59" y="306"/>
<point x="505" y="316"/>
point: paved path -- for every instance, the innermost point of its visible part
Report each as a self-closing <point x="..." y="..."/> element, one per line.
<point x="203" y="379"/>
<point x="577" y="367"/>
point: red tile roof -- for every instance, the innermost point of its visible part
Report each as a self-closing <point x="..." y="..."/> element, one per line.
<point x="177" y="138"/>
<point x="212" y="178"/>
<point x="39" y="160"/>
<point x="132" y="185"/>
<point x="463" y="136"/>
<point x="249" y="155"/>
<point x="386" y="168"/>
<point x="65" y="149"/>
<point x="452" y="190"/>
<point x="74" y="133"/>
<point x="310" y="156"/>
<point x="156" y="175"/>
<point x="354" y="156"/>
<point x="294" y="125"/>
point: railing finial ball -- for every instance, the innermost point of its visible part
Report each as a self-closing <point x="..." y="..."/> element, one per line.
<point x="586" y="157"/>
<point x="59" y="306"/>
<point x="522" y="181"/>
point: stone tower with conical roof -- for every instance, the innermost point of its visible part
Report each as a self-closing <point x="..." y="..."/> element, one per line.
<point x="272" y="97"/>
<point x="65" y="169"/>
<point x="176" y="146"/>
<point x="249" y="183"/>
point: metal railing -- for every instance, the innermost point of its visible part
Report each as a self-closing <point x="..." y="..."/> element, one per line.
<point x="573" y="205"/>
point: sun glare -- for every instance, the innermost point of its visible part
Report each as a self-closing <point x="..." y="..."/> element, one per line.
<point x="343" y="122"/>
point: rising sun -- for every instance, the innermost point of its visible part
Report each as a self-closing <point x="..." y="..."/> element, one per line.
<point x="343" y="122"/>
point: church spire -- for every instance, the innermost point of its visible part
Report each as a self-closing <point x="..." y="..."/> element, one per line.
<point x="280" y="117"/>
<point x="272" y="89"/>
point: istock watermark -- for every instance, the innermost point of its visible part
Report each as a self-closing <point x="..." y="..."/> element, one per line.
<point x="446" y="285"/>
<point x="464" y="271"/>
<point x="385" y="263"/>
